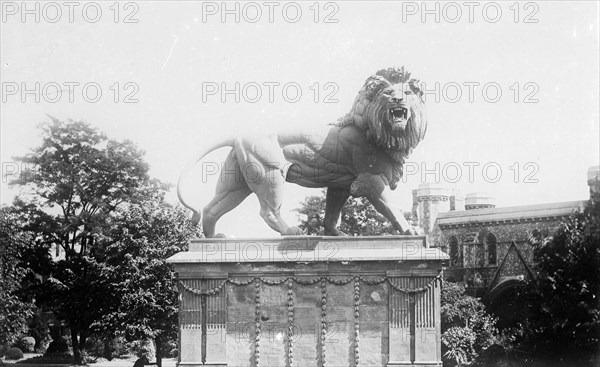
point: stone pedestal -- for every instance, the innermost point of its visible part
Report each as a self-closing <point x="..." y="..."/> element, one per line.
<point x="310" y="301"/>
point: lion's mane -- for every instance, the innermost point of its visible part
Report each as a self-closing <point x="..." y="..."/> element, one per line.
<point x="369" y="114"/>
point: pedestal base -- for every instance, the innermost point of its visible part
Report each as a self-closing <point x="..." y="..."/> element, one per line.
<point x="310" y="301"/>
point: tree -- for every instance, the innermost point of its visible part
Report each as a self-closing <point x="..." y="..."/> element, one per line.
<point x="80" y="179"/>
<point x="14" y="312"/>
<point x="359" y="217"/>
<point x="563" y="297"/>
<point x="148" y="233"/>
<point x="467" y="328"/>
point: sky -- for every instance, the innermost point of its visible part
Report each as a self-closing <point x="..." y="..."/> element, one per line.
<point x="512" y="89"/>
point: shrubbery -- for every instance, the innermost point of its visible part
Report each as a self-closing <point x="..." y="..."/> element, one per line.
<point x="38" y="329"/>
<point x="108" y="348"/>
<point x="562" y="298"/>
<point x="26" y="344"/>
<point x="14" y="353"/>
<point x="144" y="348"/>
<point x="172" y="350"/>
<point x="3" y="350"/>
<point x="58" y="346"/>
<point x="467" y="329"/>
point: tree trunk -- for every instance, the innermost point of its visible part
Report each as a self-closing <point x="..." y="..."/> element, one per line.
<point x="75" y="345"/>
<point x="82" y="346"/>
<point x="158" y="344"/>
<point x="78" y="344"/>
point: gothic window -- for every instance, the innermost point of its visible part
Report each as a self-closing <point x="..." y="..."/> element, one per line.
<point x="490" y="245"/>
<point x="454" y="255"/>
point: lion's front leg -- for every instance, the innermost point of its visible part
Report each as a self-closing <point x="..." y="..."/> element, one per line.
<point x="377" y="191"/>
<point x="336" y="198"/>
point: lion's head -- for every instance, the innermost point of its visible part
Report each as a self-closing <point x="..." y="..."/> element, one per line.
<point x="390" y="108"/>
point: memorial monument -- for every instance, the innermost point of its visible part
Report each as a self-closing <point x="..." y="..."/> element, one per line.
<point x="307" y="300"/>
<point x="362" y="155"/>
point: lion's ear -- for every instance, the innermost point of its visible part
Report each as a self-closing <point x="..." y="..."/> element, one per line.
<point x="373" y="85"/>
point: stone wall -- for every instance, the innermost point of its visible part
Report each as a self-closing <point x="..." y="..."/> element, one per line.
<point x="474" y="254"/>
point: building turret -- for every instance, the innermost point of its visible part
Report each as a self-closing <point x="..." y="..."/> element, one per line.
<point x="479" y="200"/>
<point x="432" y="199"/>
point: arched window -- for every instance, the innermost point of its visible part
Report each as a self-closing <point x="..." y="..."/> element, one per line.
<point x="490" y="245"/>
<point x="454" y="254"/>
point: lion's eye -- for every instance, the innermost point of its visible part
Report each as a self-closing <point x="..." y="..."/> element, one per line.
<point x="408" y="92"/>
<point x="387" y="92"/>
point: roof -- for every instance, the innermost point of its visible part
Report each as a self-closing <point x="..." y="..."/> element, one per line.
<point x="509" y="214"/>
<point x="507" y="272"/>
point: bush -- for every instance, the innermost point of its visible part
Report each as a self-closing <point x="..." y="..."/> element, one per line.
<point x="38" y="329"/>
<point x="147" y="349"/>
<point x="14" y="353"/>
<point x="58" y="346"/>
<point x="467" y="328"/>
<point x="43" y="345"/>
<point x="171" y="349"/>
<point x="563" y="320"/>
<point x="108" y="348"/>
<point x="3" y="350"/>
<point x="144" y="348"/>
<point x="26" y="344"/>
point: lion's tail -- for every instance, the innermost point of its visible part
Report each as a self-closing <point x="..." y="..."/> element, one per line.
<point x="188" y="169"/>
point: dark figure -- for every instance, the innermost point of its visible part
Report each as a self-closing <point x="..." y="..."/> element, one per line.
<point x="143" y="361"/>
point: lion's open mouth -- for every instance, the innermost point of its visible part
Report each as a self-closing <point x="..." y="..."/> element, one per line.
<point x="398" y="114"/>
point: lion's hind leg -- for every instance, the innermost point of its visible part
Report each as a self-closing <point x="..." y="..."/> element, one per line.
<point x="263" y="172"/>
<point x="269" y="198"/>
<point x="230" y="192"/>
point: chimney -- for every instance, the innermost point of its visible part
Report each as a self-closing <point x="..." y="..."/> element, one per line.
<point x="457" y="200"/>
<point x="479" y="200"/>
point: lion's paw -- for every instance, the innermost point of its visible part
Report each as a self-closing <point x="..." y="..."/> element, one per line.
<point x="293" y="231"/>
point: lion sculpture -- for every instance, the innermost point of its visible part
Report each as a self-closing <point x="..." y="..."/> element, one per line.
<point x="361" y="155"/>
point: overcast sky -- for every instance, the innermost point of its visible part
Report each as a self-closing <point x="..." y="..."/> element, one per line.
<point x="511" y="87"/>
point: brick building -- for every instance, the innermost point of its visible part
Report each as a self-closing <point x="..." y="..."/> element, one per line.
<point x="490" y="249"/>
